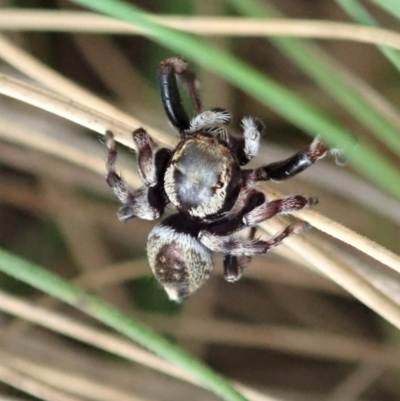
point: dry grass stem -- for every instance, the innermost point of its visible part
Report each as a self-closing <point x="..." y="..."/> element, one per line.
<point x="32" y="386"/>
<point x="43" y="142"/>
<point x="97" y="338"/>
<point x="93" y="23"/>
<point x="333" y="267"/>
<point x="356" y="383"/>
<point x="343" y="234"/>
<point x="66" y="381"/>
<point x="38" y="71"/>
<point x="299" y="341"/>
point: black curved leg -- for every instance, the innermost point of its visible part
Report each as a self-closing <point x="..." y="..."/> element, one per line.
<point x="168" y="71"/>
<point x="293" y="165"/>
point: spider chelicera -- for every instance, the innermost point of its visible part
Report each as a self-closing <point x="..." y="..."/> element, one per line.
<point x="202" y="177"/>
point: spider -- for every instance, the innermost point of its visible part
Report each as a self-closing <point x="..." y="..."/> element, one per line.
<point x="203" y="179"/>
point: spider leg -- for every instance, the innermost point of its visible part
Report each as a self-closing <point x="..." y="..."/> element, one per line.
<point x="146" y="203"/>
<point x="252" y="208"/>
<point x="293" y="165"/>
<point x="269" y="209"/>
<point x="168" y="71"/>
<point x="247" y="147"/>
<point x="151" y="159"/>
<point x="240" y="248"/>
<point x="234" y="265"/>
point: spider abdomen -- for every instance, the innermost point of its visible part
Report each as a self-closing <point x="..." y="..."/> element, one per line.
<point x="180" y="263"/>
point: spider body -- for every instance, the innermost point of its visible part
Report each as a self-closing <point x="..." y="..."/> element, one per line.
<point x="203" y="179"/>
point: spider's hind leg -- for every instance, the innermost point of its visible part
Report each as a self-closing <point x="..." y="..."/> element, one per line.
<point x="240" y="248"/>
<point x="269" y="209"/>
<point x="234" y="265"/>
<point x="237" y="253"/>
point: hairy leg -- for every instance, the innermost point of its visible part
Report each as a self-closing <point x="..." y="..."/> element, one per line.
<point x="293" y="165"/>
<point x="269" y="209"/>
<point x="152" y="159"/>
<point x="252" y="208"/>
<point x="240" y="248"/>
<point x="143" y="203"/>
<point x="234" y="265"/>
<point x="208" y="119"/>
<point x="114" y="180"/>
<point x="247" y="146"/>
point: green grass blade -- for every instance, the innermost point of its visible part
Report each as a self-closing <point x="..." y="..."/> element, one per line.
<point x="307" y="59"/>
<point x="261" y="87"/>
<point x="391" y="6"/>
<point x="360" y="14"/>
<point x="47" y="282"/>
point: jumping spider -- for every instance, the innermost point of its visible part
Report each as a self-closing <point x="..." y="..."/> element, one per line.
<point x="203" y="179"/>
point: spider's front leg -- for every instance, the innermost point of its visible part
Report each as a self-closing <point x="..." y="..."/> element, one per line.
<point x="147" y="203"/>
<point x="168" y="70"/>
<point x="293" y="165"/>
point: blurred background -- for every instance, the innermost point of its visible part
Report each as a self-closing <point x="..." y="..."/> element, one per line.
<point x="285" y="329"/>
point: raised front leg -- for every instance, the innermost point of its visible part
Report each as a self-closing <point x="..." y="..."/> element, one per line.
<point x="168" y="70"/>
<point x="293" y="165"/>
<point x="145" y="203"/>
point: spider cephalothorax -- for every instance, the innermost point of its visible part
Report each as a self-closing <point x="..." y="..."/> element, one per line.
<point x="202" y="177"/>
